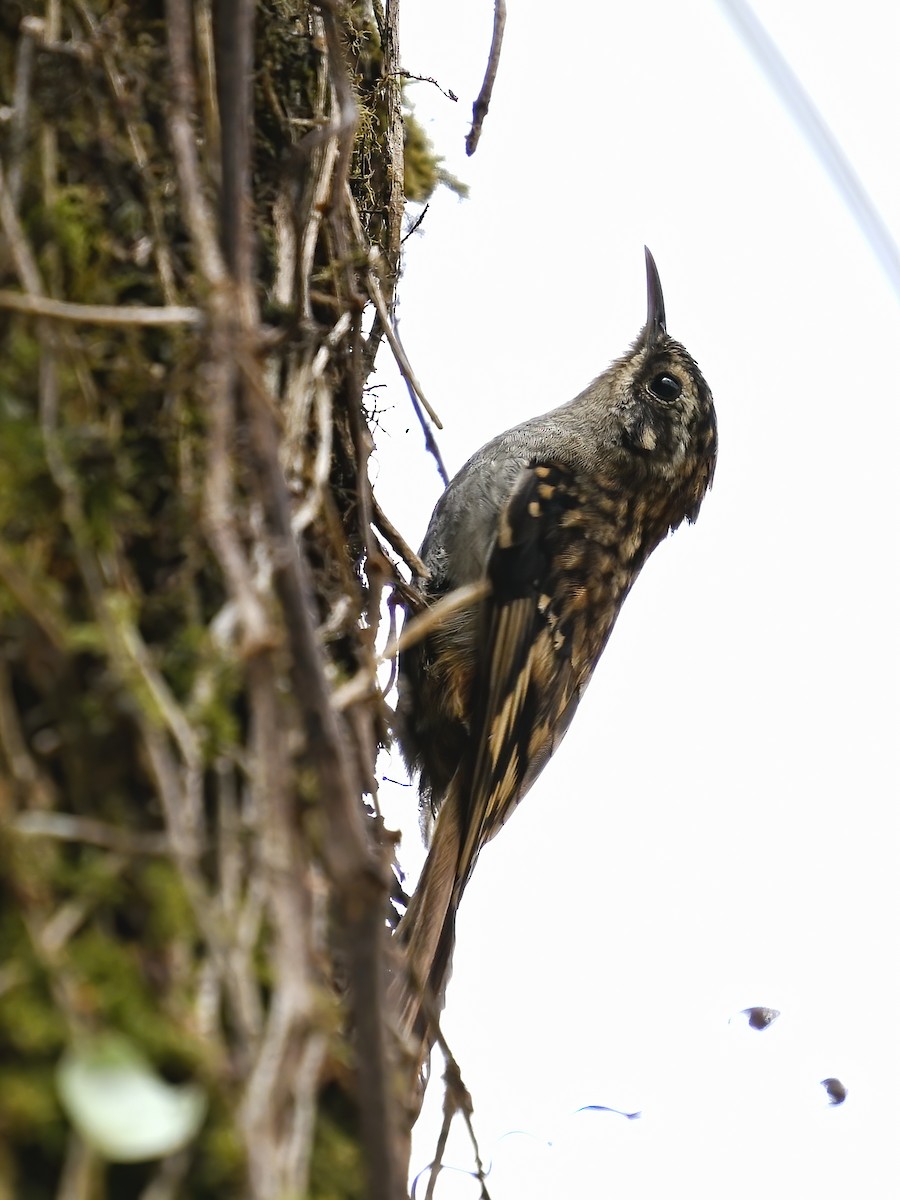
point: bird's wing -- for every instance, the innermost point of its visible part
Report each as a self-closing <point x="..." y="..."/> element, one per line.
<point x="527" y="681"/>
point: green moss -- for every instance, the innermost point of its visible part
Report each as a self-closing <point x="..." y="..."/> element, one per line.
<point x="168" y="912"/>
<point x="26" y="490"/>
<point x="28" y="1105"/>
<point x="18" y="373"/>
<point x="30" y="1025"/>
<point x="91" y="875"/>
<point x="220" y="1155"/>
<point x="32" y="1035"/>
<point x="77" y="232"/>
<point x="117" y="992"/>
<point x="423" y="172"/>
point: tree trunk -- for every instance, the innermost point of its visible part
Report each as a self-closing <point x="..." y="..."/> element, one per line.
<point x="200" y="224"/>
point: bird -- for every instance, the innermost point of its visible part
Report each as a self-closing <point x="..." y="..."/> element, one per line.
<point x="835" y="1090"/>
<point x="759" y="1018"/>
<point x="555" y="518"/>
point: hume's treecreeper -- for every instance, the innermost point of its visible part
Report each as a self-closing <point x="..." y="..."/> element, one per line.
<point x="557" y="515"/>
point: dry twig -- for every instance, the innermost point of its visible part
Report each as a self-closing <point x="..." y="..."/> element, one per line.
<point x="448" y="92"/>
<point x="483" y="101"/>
<point x="146" y="316"/>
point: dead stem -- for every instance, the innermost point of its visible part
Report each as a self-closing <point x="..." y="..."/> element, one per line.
<point x="100" y="314"/>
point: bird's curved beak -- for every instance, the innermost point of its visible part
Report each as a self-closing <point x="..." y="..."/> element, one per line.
<point x="656" y="306"/>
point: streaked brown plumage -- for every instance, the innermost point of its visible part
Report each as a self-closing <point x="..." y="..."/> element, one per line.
<point x="559" y="515"/>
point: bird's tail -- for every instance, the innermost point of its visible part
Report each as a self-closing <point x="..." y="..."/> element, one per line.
<point x="427" y="933"/>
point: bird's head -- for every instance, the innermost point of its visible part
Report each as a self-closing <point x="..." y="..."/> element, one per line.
<point x="660" y="408"/>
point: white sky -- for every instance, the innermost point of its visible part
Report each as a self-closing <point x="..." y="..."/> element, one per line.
<point x="720" y="827"/>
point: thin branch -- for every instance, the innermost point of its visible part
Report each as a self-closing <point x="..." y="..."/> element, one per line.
<point x="20" y="250"/>
<point x="31" y="29"/>
<point x="403" y="74"/>
<point x="383" y="320"/>
<point x="346" y="119"/>
<point x="434" y="615"/>
<point x="308" y="510"/>
<point x="395" y="538"/>
<point x="66" y="827"/>
<point x="306" y="1083"/>
<point x="168" y="1179"/>
<point x="457" y="1099"/>
<point x="309" y="381"/>
<point x="461" y="1100"/>
<point x="197" y="213"/>
<point x="318" y="191"/>
<point x="233" y="37"/>
<point x="219" y="509"/>
<point x="483" y="102"/>
<point x="360" y="880"/>
<point x="393" y="604"/>
<point x="100" y="314"/>
<point x="48" y="140"/>
<point x="347" y="853"/>
<point x="430" y="441"/>
<point x="374" y="289"/>
<point x="364" y="685"/>
<point x="394" y="144"/>
<point x="220" y="375"/>
<point x="377" y="566"/>
<point x="320" y="146"/>
<point x="136" y="663"/>
<point x="285" y="255"/>
<point x="438" y="1161"/>
<point x="290" y="1027"/>
<point x="415" y="225"/>
<point x="206" y="84"/>
<point x="185" y="847"/>
<point x="82" y="1171"/>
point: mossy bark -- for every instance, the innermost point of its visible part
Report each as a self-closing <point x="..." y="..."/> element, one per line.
<point x="189" y="575"/>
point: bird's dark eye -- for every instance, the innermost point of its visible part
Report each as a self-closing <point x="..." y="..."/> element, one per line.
<point x="665" y="387"/>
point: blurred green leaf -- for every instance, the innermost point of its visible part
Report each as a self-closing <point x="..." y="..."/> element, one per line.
<point x="121" y="1107"/>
